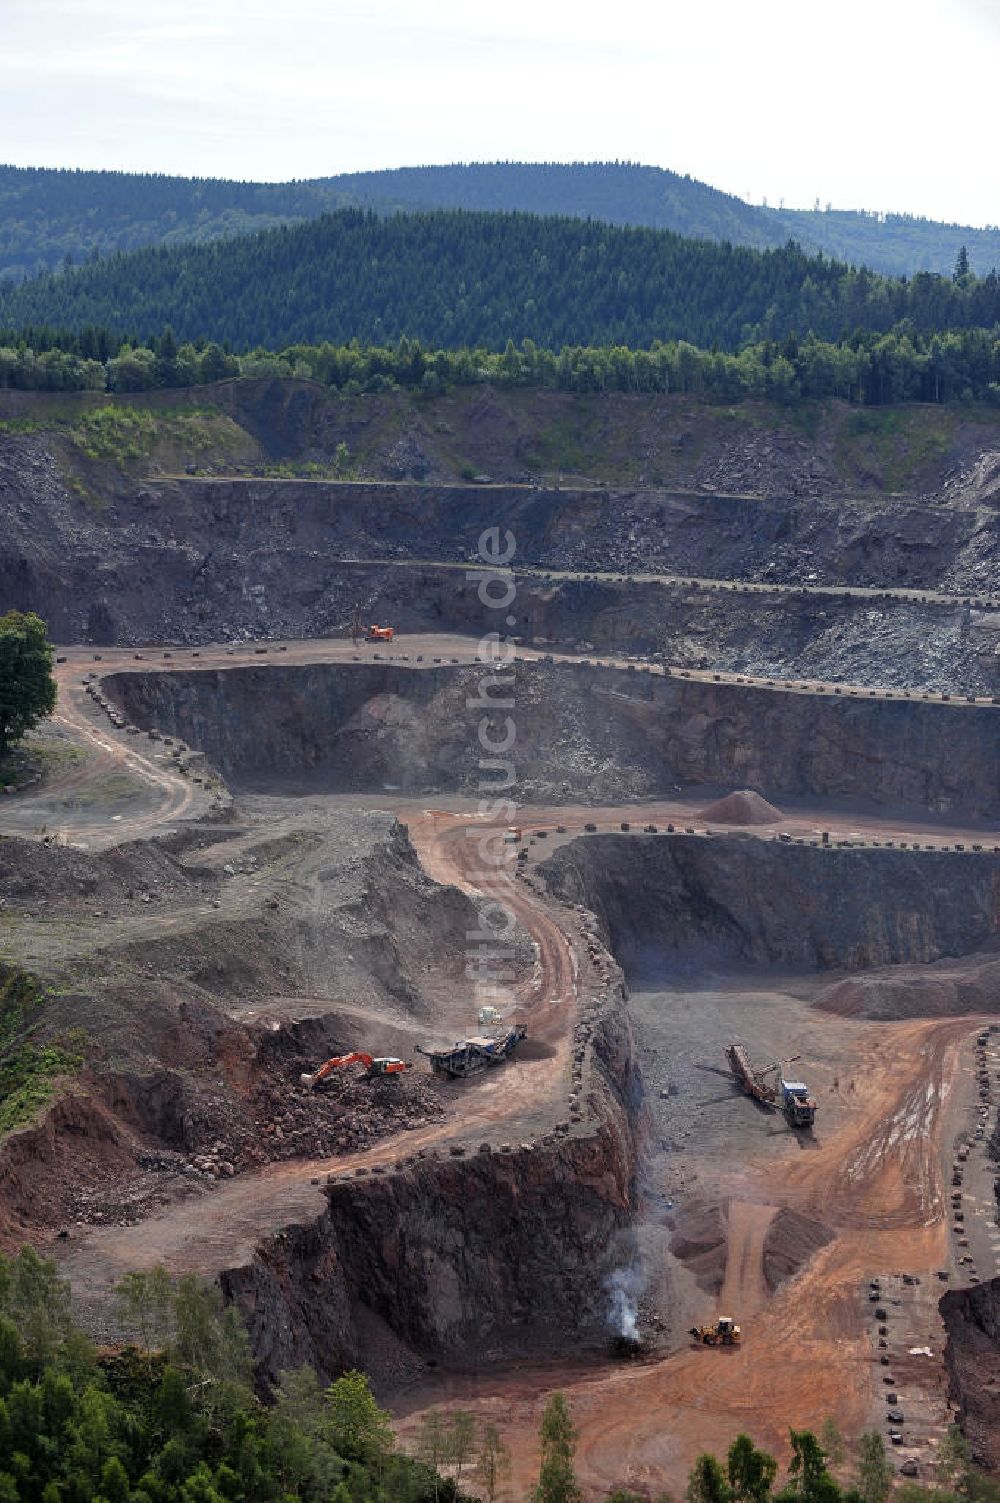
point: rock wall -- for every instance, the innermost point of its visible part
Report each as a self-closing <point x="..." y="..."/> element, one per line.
<point x="598" y="733"/>
<point x="106" y="558"/>
<point x="676" y="902"/>
<point x="460" y="1258"/>
<point x="972" y="1357"/>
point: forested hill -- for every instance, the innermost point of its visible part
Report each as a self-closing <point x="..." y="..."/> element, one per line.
<point x="630" y="194"/>
<point x="463" y="279"/>
<point x="47" y="216"/>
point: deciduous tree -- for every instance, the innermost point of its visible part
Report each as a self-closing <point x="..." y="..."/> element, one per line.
<point x="27" y="687"/>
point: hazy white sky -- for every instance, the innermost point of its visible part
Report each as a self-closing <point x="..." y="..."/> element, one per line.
<point x="887" y="104"/>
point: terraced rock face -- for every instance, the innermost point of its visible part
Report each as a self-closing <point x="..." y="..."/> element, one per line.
<point x="463" y="1257"/>
<point x="598" y="734"/>
<point x="670" y="903"/>
<point x="107" y="557"/>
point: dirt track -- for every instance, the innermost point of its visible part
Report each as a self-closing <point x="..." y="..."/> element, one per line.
<point x="874" y="1176"/>
<point x="806" y="1353"/>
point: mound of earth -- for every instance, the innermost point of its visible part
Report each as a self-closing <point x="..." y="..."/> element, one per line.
<point x="791" y="1241"/>
<point x="699" y="1242"/>
<point x="743" y="808"/>
<point x="947" y="989"/>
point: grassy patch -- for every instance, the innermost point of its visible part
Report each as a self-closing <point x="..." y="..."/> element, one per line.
<point x="14" y="427"/>
<point x="28" y="1070"/>
<point x="28" y="1076"/>
<point x="40" y="754"/>
<point x="21" y="999"/>
<point x="122" y="435"/>
<point x="893" y="443"/>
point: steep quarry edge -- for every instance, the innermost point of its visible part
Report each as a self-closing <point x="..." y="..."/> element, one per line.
<point x="583" y="730"/>
<point x="672" y="903"/>
<point x="972" y="1357"/>
<point x="472" y="1255"/>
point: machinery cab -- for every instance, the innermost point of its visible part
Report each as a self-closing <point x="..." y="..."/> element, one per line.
<point x="724" y="1332"/>
<point x="800" y="1108"/>
<point x="387" y="1066"/>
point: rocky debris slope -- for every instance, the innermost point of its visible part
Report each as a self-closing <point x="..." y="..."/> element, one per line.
<point x="466" y="1256"/>
<point x="972" y="1356"/>
<point x="582" y="731"/>
<point x="698" y="1240"/>
<point x="190" y="1072"/>
<point x="947" y="988"/>
<point x="668" y="903"/>
<point x="111" y="558"/>
<point x="790" y="1242"/>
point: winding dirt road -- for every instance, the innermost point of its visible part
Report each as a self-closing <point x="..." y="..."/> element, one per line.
<point x="877" y="1180"/>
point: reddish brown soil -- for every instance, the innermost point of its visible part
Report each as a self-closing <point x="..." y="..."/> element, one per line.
<point x="874" y="1179"/>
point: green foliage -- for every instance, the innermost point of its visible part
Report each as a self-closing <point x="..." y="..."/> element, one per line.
<point x="809" y="1479"/>
<point x="875" y="1473"/>
<point x="873" y="370"/>
<point x="707" y="1482"/>
<point x="145" y="1305"/>
<point x="751" y="1472"/>
<point x="28" y="1069"/>
<point x="177" y="1425"/>
<point x="472" y="279"/>
<point x="27" y="1076"/>
<point x="952" y="1460"/>
<point x="27" y="687"/>
<point x="832" y="1442"/>
<point x="51" y="219"/>
<point x="556" y="1479"/>
<point x="358" y="1428"/>
<point x="118" y="433"/>
<point x="492" y="1464"/>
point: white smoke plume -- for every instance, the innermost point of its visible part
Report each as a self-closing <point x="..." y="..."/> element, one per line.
<point x="624" y="1287"/>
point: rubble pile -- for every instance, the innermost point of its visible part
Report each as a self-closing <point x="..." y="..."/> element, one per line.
<point x="345" y="1113"/>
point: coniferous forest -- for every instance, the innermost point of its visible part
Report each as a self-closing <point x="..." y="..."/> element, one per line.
<point x="454" y="279"/>
<point x="50" y="216"/>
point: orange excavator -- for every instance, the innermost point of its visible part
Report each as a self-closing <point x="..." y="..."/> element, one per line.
<point x="374" y="1067"/>
<point x="381" y="633"/>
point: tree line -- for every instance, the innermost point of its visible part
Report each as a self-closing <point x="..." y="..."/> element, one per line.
<point x="871" y="370"/>
<point x="457" y="279"/>
<point x="172" y="1416"/>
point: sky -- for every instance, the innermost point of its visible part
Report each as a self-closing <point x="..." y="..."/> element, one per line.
<point x="876" y="104"/>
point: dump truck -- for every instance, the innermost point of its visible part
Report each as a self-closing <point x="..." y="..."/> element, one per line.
<point x="381" y="633"/>
<point x="725" y="1332"/>
<point x="754" y="1082"/>
<point x="473" y="1055"/>
<point x="799" y="1107"/>
<point x="375" y="1066"/>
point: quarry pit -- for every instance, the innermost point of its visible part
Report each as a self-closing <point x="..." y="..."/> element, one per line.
<point x="253" y="849"/>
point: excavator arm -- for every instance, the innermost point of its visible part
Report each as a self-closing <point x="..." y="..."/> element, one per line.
<point x="356" y="1057"/>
